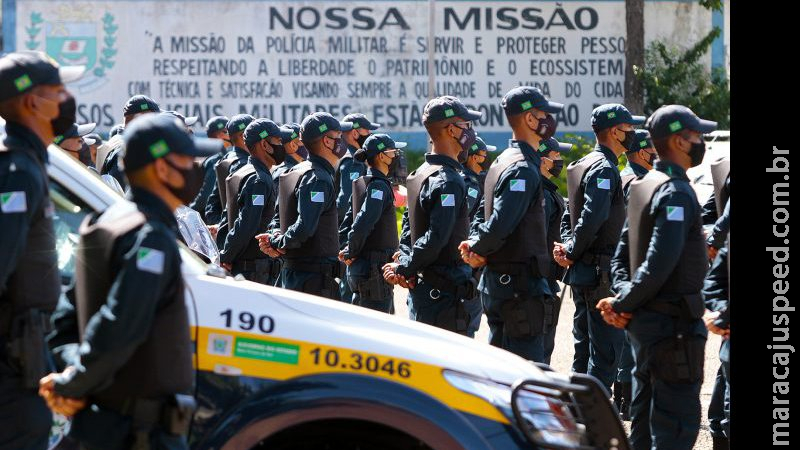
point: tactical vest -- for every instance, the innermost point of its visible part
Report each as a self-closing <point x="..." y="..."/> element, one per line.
<point x="384" y="234"/>
<point x="527" y="244"/>
<point x="325" y="242"/>
<point x="222" y="169"/>
<point x="233" y="185"/>
<point x="626" y="180"/>
<point x="418" y="219"/>
<point x="689" y="273"/>
<point x="162" y="364"/>
<point x="720" y="171"/>
<point x="608" y="235"/>
<point x="35" y="282"/>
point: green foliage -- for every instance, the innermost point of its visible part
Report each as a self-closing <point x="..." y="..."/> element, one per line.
<point x="711" y="4"/>
<point x="674" y="76"/>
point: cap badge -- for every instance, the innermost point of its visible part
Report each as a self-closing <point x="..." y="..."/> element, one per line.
<point x="449" y="112"/>
<point x="23" y="82"/>
<point x="159" y="149"/>
<point x="611" y="115"/>
<point x="263" y="134"/>
<point x="323" y="128"/>
<point x="675" y="126"/>
<point x="526" y="105"/>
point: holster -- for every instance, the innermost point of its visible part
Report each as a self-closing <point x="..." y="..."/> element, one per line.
<point x="679" y="358"/>
<point x="172" y="415"/>
<point x="524" y="316"/>
<point x="27" y="346"/>
<point x="455" y="318"/>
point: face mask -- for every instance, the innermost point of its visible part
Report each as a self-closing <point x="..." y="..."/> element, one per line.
<point x="651" y="158"/>
<point x="66" y="116"/>
<point x="360" y="139"/>
<point x="547" y="127"/>
<point x="629" y="141"/>
<point x="558" y="165"/>
<point x="697" y="152"/>
<point x="466" y="141"/>
<point x="339" y="147"/>
<point x="398" y="169"/>
<point x="302" y="152"/>
<point x="192" y="181"/>
<point x="278" y="153"/>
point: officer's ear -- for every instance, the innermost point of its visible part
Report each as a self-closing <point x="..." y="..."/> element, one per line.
<point x="530" y="120"/>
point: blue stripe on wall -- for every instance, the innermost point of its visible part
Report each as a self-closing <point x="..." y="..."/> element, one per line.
<point x="9" y="25"/>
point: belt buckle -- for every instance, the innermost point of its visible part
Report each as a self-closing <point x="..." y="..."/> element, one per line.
<point x="437" y="295"/>
<point x="505" y="279"/>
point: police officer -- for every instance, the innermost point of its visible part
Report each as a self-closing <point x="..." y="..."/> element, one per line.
<point x="550" y="151"/>
<point x="36" y="107"/>
<point x="235" y="158"/>
<point x="134" y="364"/>
<point x="215" y="129"/>
<point x="251" y="202"/>
<point x="596" y="212"/>
<point x="370" y="227"/>
<point x="511" y="241"/>
<point x="137" y="106"/>
<point x="658" y="272"/>
<point x="349" y="168"/>
<point x="308" y="234"/>
<point x="72" y="142"/>
<point x="437" y="220"/>
<point x="474" y="176"/>
<point x="716" y="295"/>
<point x="115" y="130"/>
<point x="294" y="150"/>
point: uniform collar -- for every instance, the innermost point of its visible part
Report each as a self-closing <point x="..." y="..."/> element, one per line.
<point x="260" y="166"/>
<point x="549" y="185"/>
<point x="25" y="138"/>
<point x="153" y="207"/>
<point x="351" y="150"/>
<point x="609" y="154"/>
<point x="671" y="169"/>
<point x="442" y="160"/>
<point x="529" y="152"/>
<point x="318" y="160"/>
<point x="289" y="162"/>
<point x="375" y="173"/>
<point x="638" y="170"/>
<point x="241" y="153"/>
<point x="470" y="173"/>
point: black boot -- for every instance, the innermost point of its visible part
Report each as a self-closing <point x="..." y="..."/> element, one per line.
<point x="626" y="395"/>
<point x="617" y="388"/>
<point x="720" y="443"/>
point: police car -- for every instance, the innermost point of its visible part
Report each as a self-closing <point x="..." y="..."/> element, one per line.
<point x="284" y="370"/>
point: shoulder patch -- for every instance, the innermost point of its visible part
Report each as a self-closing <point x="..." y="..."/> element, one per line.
<point x="448" y="200"/>
<point x="517" y="185"/>
<point x="13" y="202"/>
<point x="354" y="176"/>
<point x="472" y="192"/>
<point x="317" y="196"/>
<point x="675" y="213"/>
<point x="604" y="183"/>
<point x="376" y="194"/>
<point x="257" y="200"/>
<point x="150" y="260"/>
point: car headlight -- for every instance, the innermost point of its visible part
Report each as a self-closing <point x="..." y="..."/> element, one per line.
<point x="548" y="417"/>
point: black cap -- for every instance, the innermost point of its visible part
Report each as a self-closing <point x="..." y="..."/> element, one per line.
<point x="360" y="121"/>
<point x="674" y="118"/>
<point x="93" y="139"/>
<point x="216" y="124"/>
<point x="115" y="130"/>
<point x="613" y="114"/>
<point x="446" y="107"/>
<point x="552" y="145"/>
<point x="260" y="129"/>
<point x="139" y="104"/>
<point x="379" y="143"/>
<point x="642" y="141"/>
<point x="238" y="123"/>
<point x="75" y="131"/>
<point x="21" y="71"/>
<point x="156" y="135"/>
<point x="290" y="133"/>
<point x="319" y="123"/>
<point x="524" y="98"/>
<point x="480" y="145"/>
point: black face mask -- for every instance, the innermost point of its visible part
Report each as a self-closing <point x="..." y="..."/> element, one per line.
<point x="66" y="116"/>
<point x="278" y="153"/>
<point x="651" y="158"/>
<point x="398" y="169"/>
<point x="547" y="127"/>
<point x="192" y="181"/>
<point x="558" y="165"/>
<point x="697" y="152"/>
<point x="339" y="147"/>
<point x="629" y="141"/>
<point x="302" y="151"/>
<point x="85" y="154"/>
<point x="467" y="139"/>
<point x="360" y="139"/>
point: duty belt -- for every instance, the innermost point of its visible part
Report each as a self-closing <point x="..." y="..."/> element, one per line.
<point x="446" y="285"/>
<point x="250" y="265"/>
<point x="516" y="269"/>
<point x="377" y="255"/>
<point x="596" y="259"/>
<point x="330" y="268"/>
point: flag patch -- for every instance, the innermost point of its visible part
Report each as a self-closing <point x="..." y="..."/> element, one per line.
<point x="150" y="260"/>
<point x="13" y="202"/>
<point x="376" y="194"/>
<point x="472" y="192"/>
<point x="517" y="185"/>
<point x="448" y="200"/>
<point x="258" y="200"/>
<point x="675" y="213"/>
<point x="353" y="176"/>
<point x="604" y="183"/>
<point x="317" y="197"/>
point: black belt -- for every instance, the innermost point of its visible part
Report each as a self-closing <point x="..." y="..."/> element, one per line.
<point x="446" y="285"/>
<point x="249" y="265"/>
<point x="596" y="259"/>
<point x="331" y="268"/>
<point x="145" y="412"/>
<point x="377" y="255"/>
<point x="515" y="269"/>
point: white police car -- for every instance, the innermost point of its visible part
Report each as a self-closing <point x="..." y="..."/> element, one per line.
<point x="284" y="370"/>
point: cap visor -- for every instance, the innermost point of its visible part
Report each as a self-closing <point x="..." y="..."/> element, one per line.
<point x="68" y="74"/>
<point x="203" y="147"/>
<point x="564" y="148"/>
<point x="90" y="140"/>
<point x="637" y="120"/>
<point x="189" y="121"/>
<point x="86" y="128"/>
<point x="473" y="115"/>
<point x="345" y="126"/>
<point x="398" y="144"/>
<point x="706" y="126"/>
<point x="374" y="126"/>
<point x="551" y="107"/>
<point x="491" y="148"/>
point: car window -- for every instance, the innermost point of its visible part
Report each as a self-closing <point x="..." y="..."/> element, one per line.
<point x="69" y="213"/>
